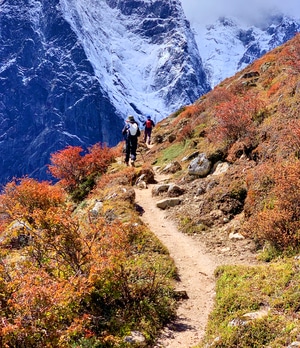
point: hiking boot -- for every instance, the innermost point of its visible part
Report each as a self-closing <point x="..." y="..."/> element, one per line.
<point x="132" y="163"/>
<point x="127" y="163"/>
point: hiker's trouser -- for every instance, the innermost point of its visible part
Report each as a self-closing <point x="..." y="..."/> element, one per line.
<point x="131" y="146"/>
<point x="147" y="134"/>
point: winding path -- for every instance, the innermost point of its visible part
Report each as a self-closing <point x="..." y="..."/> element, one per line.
<point x="195" y="270"/>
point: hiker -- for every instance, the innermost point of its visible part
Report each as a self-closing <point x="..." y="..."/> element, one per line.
<point x="131" y="132"/>
<point x="149" y="124"/>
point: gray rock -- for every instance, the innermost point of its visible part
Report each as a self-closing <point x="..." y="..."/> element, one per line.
<point x="135" y="337"/>
<point x="96" y="208"/>
<point x="175" y="190"/>
<point x="221" y="168"/>
<point x="200" y="166"/>
<point x="159" y="189"/>
<point x="168" y="202"/>
<point x="142" y="184"/>
<point x="201" y="189"/>
<point x="236" y="236"/>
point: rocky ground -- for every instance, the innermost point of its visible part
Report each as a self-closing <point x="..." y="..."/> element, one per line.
<point x="196" y="255"/>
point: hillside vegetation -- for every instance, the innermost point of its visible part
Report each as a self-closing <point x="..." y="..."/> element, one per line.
<point x="250" y="122"/>
<point x="80" y="272"/>
<point x="249" y="125"/>
<point x="79" y="269"/>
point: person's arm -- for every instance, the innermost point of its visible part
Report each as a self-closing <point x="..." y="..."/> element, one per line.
<point x="124" y="131"/>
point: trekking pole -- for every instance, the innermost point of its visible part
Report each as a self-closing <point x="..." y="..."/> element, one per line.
<point x="142" y="156"/>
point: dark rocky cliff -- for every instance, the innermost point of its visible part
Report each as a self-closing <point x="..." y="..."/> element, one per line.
<point x="49" y="96"/>
<point x="52" y="96"/>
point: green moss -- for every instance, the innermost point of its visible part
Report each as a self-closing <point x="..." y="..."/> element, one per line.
<point x="172" y="152"/>
<point x="273" y="288"/>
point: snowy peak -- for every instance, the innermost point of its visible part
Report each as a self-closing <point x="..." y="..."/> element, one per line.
<point x="72" y="70"/>
<point x="143" y="53"/>
<point x="229" y="45"/>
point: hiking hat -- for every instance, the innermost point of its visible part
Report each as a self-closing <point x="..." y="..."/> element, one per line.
<point x="148" y="117"/>
<point x="130" y="118"/>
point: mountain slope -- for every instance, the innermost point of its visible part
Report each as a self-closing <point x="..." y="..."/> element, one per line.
<point x="247" y="130"/>
<point x="143" y="52"/>
<point x="71" y="71"/>
<point x="50" y="97"/>
<point x="229" y="45"/>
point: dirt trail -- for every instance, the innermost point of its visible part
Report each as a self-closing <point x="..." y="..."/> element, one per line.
<point x="195" y="269"/>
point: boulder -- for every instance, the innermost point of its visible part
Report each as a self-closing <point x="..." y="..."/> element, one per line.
<point x="158" y="189"/>
<point x="168" y="202"/>
<point x="175" y="190"/>
<point x="200" y="166"/>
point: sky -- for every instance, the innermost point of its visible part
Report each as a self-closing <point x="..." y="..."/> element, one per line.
<point x="207" y="11"/>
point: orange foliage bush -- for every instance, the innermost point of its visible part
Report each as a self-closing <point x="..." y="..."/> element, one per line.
<point x="75" y="279"/>
<point x="21" y="198"/>
<point x="290" y="55"/>
<point x="188" y="112"/>
<point x="98" y="159"/>
<point x="273" y="89"/>
<point x="72" y="167"/>
<point x="218" y="96"/>
<point x="276" y="196"/>
<point x="123" y="177"/>
<point x="39" y="307"/>
<point x="235" y="118"/>
<point x="291" y="137"/>
<point x="68" y="166"/>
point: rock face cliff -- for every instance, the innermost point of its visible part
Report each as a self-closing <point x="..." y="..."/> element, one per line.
<point x="70" y="72"/>
<point x="228" y="45"/>
<point x="143" y="52"/>
<point x="49" y="95"/>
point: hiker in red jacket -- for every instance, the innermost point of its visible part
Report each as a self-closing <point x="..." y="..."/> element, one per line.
<point x="149" y="124"/>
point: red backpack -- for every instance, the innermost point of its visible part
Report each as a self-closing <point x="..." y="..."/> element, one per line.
<point x="148" y="124"/>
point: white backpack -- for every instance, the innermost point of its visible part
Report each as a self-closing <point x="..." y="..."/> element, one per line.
<point x="133" y="128"/>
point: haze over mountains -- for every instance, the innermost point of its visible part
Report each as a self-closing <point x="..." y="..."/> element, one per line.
<point x="71" y="71"/>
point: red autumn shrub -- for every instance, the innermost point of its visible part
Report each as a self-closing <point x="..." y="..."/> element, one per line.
<point x="20" y="198"/>
<point x="68" y="166"/>
<point x="236" y="118"/>
<point x="72" y="167"/>
<point x="292" y="136"/>
<point x="98" y="159"/>
<point x="275" y="196"/>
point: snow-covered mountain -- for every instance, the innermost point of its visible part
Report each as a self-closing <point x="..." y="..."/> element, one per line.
<point x="228" y="45"/>
<point x="72" y="70"/>
<point x="143" y="52"/>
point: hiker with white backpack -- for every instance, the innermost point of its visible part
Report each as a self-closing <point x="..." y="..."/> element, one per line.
<point x="131" y="132"/>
